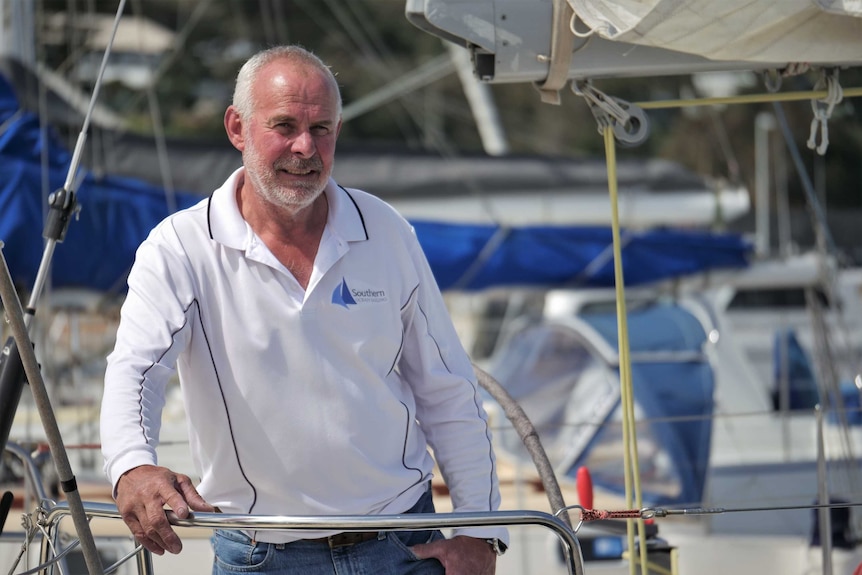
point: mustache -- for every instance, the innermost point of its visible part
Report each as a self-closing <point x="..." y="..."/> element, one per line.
<point x="299" y="164"/>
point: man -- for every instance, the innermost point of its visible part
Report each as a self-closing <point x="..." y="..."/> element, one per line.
<point x="316" y="357"/>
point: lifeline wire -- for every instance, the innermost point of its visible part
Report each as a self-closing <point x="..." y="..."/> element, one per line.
<point x="652" y="512"/>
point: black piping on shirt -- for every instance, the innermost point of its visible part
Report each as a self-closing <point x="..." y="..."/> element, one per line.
<point x="476" y="402"/>
<point x="227" y="412"/>
<point x="358" y="211"/>
<point x="209" y="216"/>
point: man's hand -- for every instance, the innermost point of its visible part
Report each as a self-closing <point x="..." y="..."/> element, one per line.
<point x="142" y="494"/>
<point x="460" y="555"/>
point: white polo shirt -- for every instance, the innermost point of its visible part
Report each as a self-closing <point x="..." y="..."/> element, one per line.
<point x="300" y="402"/>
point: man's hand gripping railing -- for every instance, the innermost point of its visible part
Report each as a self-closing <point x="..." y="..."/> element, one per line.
<point x="405" y="522"/>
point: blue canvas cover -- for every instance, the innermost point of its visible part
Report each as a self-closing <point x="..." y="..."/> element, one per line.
<point x="475" y="257"/>
<point x="565" y="376"/>
<point x="788" y="354"/>
<point x="674" y="395"/>
<point x="118" y="212"/>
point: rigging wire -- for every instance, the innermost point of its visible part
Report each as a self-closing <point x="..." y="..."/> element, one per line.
<point x="269" y="33"/>
<point x="660" y="512"/>
<point x="159" y="135"/>
<point x="381" y="58"/>
<point x="382" y="66"/>
<point x="179" y="44"/>
<point x="238" y="18"/>
<point x="356" y="33"/>
<point x="726" y="150"/>
<point x="829" y="389"/>
<point x="282" y="34"/>
<point x="828" y="380"/>
<point x="371" y="32"/>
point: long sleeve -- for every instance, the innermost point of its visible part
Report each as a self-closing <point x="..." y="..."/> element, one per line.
<point x="151" y="333"/>
<point x="449" y="405"/>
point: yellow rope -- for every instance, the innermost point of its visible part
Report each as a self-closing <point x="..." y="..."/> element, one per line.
<point x="655" y="567"/>
<point x="631" y="466"/>
<point x="746" y="99"/>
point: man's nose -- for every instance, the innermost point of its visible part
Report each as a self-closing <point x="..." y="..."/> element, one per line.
<point x="304" y="144"/>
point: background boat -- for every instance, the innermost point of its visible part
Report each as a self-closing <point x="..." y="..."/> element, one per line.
<point x="724" y="396"/>
<point x="565" y="369"/>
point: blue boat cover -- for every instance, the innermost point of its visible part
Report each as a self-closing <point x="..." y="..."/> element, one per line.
<point x="571" y="392"/>
<point x="117" y="213"/>
<point x="674" y="396"/>
<point x="475" y="257"/>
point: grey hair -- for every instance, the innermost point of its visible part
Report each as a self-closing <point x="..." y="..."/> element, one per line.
<point x="242" y="98"/>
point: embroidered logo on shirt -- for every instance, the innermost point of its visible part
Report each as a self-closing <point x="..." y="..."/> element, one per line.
<point x="341" y="295"/>
<point x="345" y="296"/>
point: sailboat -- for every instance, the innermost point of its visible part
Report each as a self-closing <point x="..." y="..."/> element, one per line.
<point x="566" y="366"/>
<point x="502" y="59"/>
<point x="725" y="396"/>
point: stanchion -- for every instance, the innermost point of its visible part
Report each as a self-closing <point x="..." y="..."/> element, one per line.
<point x="15" y="317"/>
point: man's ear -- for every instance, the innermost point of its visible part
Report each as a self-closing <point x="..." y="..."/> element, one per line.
<point x="233" y="127"/>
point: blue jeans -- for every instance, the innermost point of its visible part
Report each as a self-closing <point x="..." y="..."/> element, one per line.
<point x="389" y="554"/>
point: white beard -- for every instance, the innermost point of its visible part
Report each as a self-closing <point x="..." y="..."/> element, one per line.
<point x="264" y="178"/>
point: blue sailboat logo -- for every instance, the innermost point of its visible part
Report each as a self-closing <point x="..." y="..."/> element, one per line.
<point x="341" y="295"/>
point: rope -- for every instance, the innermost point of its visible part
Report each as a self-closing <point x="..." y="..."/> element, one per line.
<point x="602" y="28"/>
<point x="630" y="457"/>
<point x="653" y="567"/>
<point x="746" y="99"/>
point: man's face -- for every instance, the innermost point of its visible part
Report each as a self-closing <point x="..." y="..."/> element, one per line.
<point x="290" y="136"/>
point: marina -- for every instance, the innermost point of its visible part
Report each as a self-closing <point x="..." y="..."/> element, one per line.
<point x="694" y="394"/>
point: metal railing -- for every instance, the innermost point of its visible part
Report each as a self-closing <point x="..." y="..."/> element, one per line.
<point x="411" y="522"/>
<point x="49" y="514"/>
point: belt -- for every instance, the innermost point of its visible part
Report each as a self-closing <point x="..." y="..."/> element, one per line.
<point x="346" y="538"/>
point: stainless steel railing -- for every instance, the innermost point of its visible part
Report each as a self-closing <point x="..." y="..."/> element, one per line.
<point x="411" y="522"/>
<point x="49" y="515"/>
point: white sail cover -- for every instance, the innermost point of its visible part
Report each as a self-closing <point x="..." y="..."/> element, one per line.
<point x="799" y="31"/>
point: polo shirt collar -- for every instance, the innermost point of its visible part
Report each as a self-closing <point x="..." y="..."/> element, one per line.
<point x="227" y="226"/>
